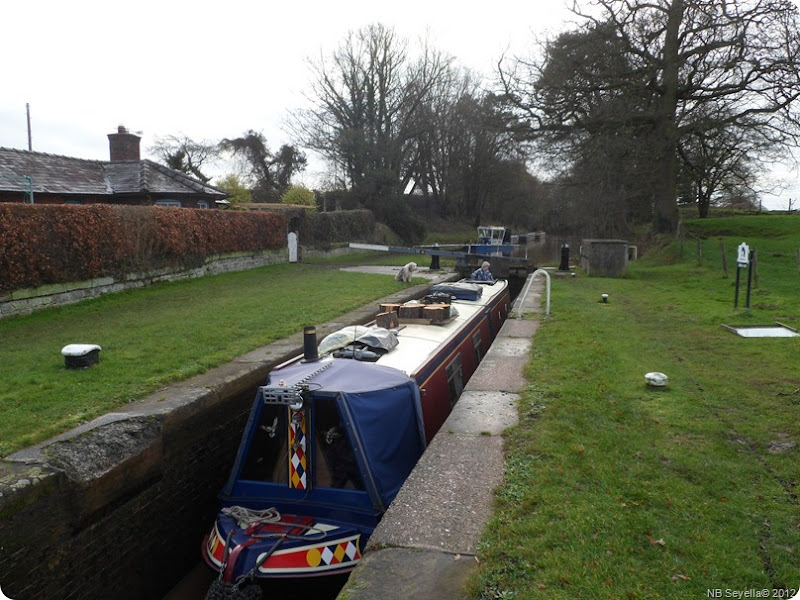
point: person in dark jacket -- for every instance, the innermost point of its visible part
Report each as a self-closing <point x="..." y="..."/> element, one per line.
<point x="483" y="273"/>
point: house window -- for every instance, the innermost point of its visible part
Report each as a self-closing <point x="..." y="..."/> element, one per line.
<point x="169" y="203"/>
<point x="455" y="379"/>
<point x="202" y="204"/>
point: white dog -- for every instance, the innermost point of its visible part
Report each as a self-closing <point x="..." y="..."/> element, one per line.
<point x="407" y="272"/>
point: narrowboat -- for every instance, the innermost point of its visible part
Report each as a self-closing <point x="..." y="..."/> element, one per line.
<point x="492" y="241"/>
<point x="334" y="433"/>
<point x="508" y="254"/>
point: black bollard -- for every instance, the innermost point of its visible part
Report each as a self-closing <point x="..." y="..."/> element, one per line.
<point x="564" y="266"/>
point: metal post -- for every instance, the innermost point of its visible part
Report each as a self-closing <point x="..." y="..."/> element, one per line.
<point x="744" y="258"/>
<point x="749" y="279"/>
<point x="28" y="111"/>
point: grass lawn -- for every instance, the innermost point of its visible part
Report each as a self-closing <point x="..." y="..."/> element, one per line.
<point x="615" y="490"/>
<point x="155" y="336"/>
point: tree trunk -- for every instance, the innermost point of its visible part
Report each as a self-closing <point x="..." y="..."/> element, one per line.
<point x="665" y="209"/>
<point x="703" y="204"/>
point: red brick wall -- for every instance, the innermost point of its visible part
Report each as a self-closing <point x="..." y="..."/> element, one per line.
<point x="123" y="145"/>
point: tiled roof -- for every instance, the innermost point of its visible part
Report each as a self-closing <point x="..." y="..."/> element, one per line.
<point x="55" y="174"/>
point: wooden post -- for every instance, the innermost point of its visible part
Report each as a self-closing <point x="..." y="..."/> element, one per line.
<point x="755" y="268"/>
<point x="736" y="287"/>
<point x="724" y="260"/>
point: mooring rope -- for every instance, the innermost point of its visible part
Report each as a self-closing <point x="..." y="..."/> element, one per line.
<point x="245" y="517"/>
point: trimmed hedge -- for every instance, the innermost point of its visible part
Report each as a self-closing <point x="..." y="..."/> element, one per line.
<point x="58" y="243"/>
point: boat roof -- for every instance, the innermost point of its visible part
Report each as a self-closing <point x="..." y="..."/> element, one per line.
<point x="419" y="342"/>
<point x="333" y="375"/>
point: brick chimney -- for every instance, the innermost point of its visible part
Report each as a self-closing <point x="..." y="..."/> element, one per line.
<point x="123" y="145"/>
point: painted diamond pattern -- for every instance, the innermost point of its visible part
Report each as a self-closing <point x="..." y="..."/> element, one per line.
<point x="297" y="452"/>
<point x="351" y="551"/>
<point x="296" y="460"/>
<point x="339" y="553"/>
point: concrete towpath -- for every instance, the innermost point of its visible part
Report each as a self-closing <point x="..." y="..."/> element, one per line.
<point x="425" y="546"/>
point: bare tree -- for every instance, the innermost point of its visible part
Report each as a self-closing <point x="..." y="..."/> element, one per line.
<point x="481" y="147"/>
<point x="438" y="124"/>
<point x="671" y="70"/>
<point x="461" y="146"/>
<point x="721" y="166"/>
<point x="183" y="154"/>
<point x="366" y="97"/>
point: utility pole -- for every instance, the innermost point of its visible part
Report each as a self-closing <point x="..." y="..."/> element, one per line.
<point x="28" y="111"/>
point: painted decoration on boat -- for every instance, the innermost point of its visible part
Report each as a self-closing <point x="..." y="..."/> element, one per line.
<point x="297" y="451"/>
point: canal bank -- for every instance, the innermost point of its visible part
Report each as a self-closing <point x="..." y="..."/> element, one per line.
<point x="426" y="544"/>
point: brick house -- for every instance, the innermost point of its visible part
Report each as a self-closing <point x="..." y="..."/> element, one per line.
<point x="125" y="179"/>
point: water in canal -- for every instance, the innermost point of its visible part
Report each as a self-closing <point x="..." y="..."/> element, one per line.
<point x="196" y="583"/>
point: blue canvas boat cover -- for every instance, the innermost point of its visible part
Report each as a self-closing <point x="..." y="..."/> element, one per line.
<point x="460" y="290"/>
<point x="381" y="408"/>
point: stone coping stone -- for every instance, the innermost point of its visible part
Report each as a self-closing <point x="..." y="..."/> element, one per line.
<point x="482" y="413"/>
<point x="403" y="573"/>
<point x="524" y="328"/>
<point x="505" y="345"/>
<point x="498" y="373"/>
<point x="446" y="501"/>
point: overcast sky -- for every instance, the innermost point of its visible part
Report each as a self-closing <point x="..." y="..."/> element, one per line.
<point x="214" y="70"/>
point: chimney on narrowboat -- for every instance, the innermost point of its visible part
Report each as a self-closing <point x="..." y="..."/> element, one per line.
<point x="310" y="353"/>
<point x="124" y="145"/>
